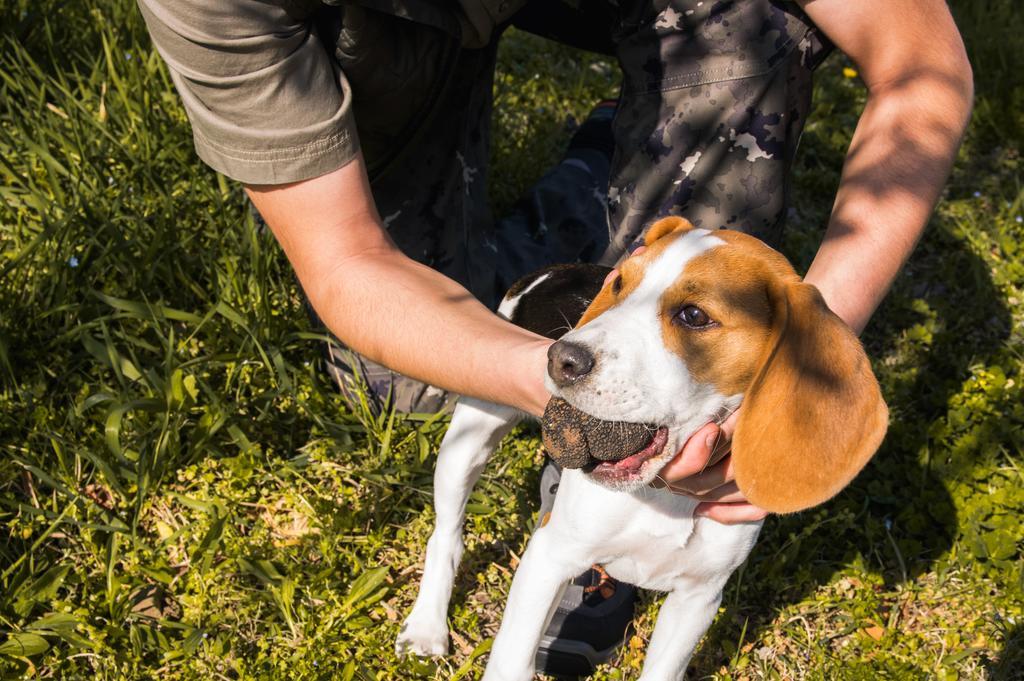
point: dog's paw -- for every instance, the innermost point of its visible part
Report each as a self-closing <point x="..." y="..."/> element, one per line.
<point x="422" y="639"/>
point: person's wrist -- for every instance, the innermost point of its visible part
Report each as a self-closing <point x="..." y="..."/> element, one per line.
<point x="532" y="395"/>
<point x="855" y="310"/>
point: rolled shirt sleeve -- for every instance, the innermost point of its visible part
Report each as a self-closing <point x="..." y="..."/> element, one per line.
<point x="267" y="103"/>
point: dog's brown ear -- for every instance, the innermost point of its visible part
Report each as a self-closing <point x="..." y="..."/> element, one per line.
<point x="666" y="226"/>
<point x="814" y="414"/>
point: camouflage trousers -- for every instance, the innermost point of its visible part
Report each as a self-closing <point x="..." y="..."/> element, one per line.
<point x="714" y="97"/>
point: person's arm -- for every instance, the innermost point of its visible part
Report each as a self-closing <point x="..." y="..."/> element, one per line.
<point x="390" y="308"/>
<point x="920" y="89"/>
<point x="269" y="108"/>
<point x="920" y="92"/>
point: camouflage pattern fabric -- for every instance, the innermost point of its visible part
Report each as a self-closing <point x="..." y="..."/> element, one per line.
<point x="714" y="98"/>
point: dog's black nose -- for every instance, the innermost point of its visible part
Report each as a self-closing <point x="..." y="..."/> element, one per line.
<point x="568" y="363"/>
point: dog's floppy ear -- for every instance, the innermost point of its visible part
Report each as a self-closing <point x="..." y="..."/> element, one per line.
<point x="666" y="226"/>
<point x="814" y="414"/>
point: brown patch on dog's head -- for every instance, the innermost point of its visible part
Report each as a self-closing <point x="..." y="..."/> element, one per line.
<point x="730" y="285"/>
<point x="812" y="413"/>
<point x="630" y="270"/>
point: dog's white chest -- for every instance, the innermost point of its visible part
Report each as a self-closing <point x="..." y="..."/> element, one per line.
<point x="640" y="538"/>
<point x="650" y="567"/>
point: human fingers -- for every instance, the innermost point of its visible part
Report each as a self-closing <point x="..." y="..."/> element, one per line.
<point x="615" y="272"/>
<point x="729" y="493"/>
<point x="728" y="426"/>
<point x="703" y="483"/>
<point x="730" y="514"/>
<point x="709" y="445"/>
<point x="694" y="455"/>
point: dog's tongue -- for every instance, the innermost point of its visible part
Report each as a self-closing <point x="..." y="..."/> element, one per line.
<point x="574" y="438"/>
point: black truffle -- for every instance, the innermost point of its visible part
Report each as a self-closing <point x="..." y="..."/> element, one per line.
<point x="574" y="438"/>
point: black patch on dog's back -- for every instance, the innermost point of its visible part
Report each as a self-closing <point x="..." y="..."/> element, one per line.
<point x="552" y="307"/>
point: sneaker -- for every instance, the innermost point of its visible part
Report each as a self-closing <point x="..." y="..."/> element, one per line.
<point x="593" y="617"/>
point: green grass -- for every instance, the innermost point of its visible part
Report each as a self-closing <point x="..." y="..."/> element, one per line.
<point x="184" y="496"/>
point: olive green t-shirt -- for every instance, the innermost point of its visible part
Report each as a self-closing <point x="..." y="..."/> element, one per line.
<point x="267" y="100"/>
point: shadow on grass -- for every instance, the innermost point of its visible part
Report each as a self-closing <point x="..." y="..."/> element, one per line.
<point x="1010" y="665"/>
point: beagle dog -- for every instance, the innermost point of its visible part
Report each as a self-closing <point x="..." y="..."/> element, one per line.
<point x="698" y="324"/>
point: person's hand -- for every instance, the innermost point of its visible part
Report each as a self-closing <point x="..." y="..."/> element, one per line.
<point x="713" y="485"/>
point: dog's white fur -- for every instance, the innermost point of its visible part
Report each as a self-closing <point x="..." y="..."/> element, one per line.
<point x="641" y="535"/>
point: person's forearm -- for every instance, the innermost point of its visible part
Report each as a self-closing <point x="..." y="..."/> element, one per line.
<point x="388" y="307"/>
<point x="447" y="337"/>
<point x="899" y="159"/>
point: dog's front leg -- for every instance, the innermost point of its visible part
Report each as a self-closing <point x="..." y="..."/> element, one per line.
<point x="475" y="432"/>
<point x="684" y="617"/>
<point x="543" y="573"/>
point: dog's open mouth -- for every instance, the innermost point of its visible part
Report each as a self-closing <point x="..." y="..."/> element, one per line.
<point x="611" y="450"/>
<point x="630" y="466"/>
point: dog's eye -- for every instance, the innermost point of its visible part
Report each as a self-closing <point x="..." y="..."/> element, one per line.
<point x="693" y="317"/>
